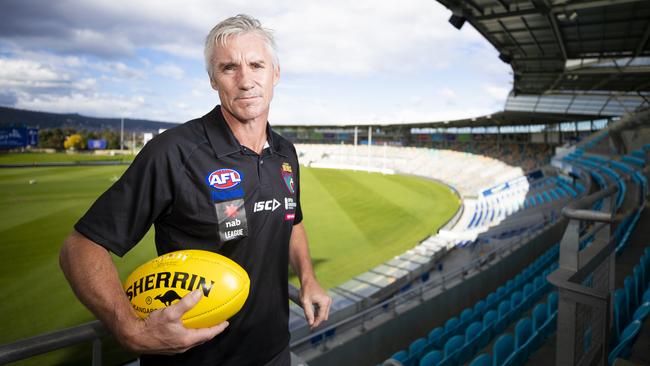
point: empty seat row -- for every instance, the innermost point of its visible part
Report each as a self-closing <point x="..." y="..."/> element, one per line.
<point x="530" y="333"/>
<point x="462" y="336"/>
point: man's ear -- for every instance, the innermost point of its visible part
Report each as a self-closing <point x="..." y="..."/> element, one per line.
<point x="276" y="75"/>
<point x="214" y="85"/>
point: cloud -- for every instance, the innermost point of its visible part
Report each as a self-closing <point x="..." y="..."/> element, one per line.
<point x="26" y="73"/>
<point x="341" y="61"/>
<point x="99" y="105"/>
<point x="169" y="70"/>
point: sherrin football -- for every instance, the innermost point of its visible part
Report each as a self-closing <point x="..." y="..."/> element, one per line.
<point x="165" y="280"/>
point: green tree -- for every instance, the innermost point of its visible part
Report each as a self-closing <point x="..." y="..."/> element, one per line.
<point x="51" y="138"/>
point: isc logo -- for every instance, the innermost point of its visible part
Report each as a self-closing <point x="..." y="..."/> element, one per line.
<point x="224" y="178"/>
<point x="269" y="205"/>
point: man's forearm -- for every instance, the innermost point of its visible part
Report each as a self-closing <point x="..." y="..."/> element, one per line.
<point x="299" y="255"/>
<point x="95" y="281"/>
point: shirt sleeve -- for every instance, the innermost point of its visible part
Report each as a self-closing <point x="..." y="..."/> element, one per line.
<point x="298" y="218"/>
<point x="123" y="214"/>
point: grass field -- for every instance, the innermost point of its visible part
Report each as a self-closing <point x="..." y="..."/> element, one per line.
<point x="30" y="158"/>
<point x="354" y="220"/>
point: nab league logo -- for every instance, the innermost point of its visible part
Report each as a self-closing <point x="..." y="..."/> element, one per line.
<point x="224" y="179"/>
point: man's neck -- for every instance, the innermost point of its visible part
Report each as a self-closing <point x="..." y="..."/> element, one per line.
<point x="249" y="133"/>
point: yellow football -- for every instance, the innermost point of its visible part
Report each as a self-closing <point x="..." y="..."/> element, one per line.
<point x="165" y="280"/>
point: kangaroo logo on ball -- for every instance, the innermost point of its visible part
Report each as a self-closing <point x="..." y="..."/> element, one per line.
<point x="168" y="297"/>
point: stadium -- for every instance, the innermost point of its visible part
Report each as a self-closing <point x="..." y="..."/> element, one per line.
<point x="515" y="238"/>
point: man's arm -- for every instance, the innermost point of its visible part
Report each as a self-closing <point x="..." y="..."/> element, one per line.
<point x="94" y="279"/>
<point x="311" y="293"/>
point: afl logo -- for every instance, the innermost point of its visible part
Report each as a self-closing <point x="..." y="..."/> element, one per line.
<point x="224" y="178"/>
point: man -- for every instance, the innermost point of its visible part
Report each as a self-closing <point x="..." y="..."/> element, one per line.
<point x="225" y="183"/>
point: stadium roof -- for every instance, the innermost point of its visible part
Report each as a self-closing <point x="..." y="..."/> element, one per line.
<point x="505" y="118"/>
<point x="572" y="60"/>
<point x="559" y="45"/>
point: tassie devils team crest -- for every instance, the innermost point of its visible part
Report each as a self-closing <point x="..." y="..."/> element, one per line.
<point x="163" y="281"/>
<point x="287" y="177"/>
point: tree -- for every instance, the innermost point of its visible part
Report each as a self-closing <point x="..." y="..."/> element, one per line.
<point x="75" y="142"/>
<point x="51" y="138"/>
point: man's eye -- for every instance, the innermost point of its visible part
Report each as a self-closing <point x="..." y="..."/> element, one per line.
<point x="229" y="67"/>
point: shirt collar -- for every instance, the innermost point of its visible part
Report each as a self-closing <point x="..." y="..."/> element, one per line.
<point x="222" y="139"/>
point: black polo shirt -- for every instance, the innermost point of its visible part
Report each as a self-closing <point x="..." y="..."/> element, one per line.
<point x="202" y="190"/>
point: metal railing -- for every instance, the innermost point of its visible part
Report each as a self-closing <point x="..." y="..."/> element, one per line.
<point x="93" y="331"/>
<point x="585" y="282"/>
<point x="392" y="307"/>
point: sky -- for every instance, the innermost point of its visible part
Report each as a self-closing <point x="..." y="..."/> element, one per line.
<point x="342" y="62"/>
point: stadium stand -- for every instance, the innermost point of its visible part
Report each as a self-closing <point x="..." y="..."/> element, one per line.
<point x="494" y="213"/>
<point x="518" y="302"/>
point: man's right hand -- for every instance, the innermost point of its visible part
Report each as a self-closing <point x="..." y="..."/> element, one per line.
<point x="164" y="333"/>
<point x="94" y="279"/>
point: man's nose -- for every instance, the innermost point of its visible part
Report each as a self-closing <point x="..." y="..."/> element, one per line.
<point x="246" y="80"/>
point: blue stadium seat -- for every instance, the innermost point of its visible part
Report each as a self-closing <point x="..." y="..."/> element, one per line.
<point x="539" y="284"/>
<point x="646" y="296"/>
<point x="466" y="316"/>
<point x="520" y="280"/>
<point x="417" y="347"/>
<point x="401" y="356"/>
<point x="502" y="292"/>
<point x="452" y="347"/>
<point x="630" y="294"/>
<point x="516" y="302"/>
<point x="432" y="358"/>
<point x="642" y="312"/>
<point x="504" y="316"/>
<point x="552" y="303"/>
<point x="529" y="292"/>
<point x="638" y="283"/>
<point x="502" y="349"/>
<point x="523" y="335"/>
<point x="492" y="300"/>
<point x="468" y="349"/>
<point x="435" y="336"/>
<point x="450" y="327"/>
<point x="482" y="360"/>
<point x="489" y="320"/>
<point x="479" y="309"/>
<point x="539" y="318"/>
<point x="628" y="337"/>
<point x="620" y="312"/>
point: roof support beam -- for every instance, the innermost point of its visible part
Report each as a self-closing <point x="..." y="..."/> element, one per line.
<point x="541" y="50"/>
<point x="557" y="34"/>
<point x="643" y="41"/>
<point x="560" y="8"/>
<point x="512" y="39"/>
<point x="504" y="4"/>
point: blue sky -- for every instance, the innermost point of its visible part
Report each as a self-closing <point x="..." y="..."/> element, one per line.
<point x="341" y="62"/>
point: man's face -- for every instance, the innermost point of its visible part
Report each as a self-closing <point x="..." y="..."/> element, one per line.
<point x="244" y="76"/>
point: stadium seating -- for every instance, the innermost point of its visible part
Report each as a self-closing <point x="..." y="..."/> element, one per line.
<point x="497" y="314"/>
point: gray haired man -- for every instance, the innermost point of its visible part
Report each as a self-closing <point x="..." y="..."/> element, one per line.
<point x="176" y="184"/>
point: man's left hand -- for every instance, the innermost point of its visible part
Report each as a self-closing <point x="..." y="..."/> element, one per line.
<point x="315" y="302"/>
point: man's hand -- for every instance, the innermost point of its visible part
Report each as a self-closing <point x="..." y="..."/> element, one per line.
<point x="164" y="333"/>
<point x="315" y="303"/>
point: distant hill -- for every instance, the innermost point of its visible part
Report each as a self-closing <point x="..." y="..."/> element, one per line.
<point x="45" y="120"/>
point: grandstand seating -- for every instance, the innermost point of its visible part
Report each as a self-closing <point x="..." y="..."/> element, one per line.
<point x="512" y="301"/>
<point x="494" y="212"/>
